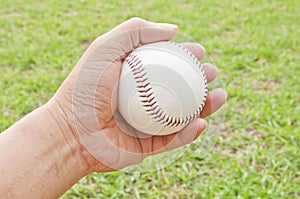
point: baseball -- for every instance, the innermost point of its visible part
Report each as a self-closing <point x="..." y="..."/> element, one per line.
<point x="162" y="88"/>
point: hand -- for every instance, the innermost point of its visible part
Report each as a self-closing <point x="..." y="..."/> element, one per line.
<point x="86" y="101"/>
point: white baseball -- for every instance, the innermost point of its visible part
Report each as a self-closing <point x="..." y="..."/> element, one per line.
<point x="162" y="88"/>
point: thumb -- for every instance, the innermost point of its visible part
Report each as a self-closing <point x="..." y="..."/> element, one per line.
<point x="136" y="31"/>
<point x="146" y="32"/>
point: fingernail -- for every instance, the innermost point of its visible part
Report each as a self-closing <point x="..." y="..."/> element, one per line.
<point x="168" y="26"/>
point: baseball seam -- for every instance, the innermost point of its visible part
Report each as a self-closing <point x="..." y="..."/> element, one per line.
<point x="148" y="98"/>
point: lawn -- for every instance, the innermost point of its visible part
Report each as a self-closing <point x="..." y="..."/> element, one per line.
<point x="254" y="44"/>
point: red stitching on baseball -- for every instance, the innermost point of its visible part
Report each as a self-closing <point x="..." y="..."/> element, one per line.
<point x="147" y="96"/>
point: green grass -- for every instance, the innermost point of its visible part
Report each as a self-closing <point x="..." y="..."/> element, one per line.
<point x="255" y="45"/>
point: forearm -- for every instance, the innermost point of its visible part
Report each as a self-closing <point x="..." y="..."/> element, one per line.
<point x="38" y="158"/>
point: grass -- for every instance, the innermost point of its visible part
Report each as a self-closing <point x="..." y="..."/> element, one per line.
<point x="255" y="45"/>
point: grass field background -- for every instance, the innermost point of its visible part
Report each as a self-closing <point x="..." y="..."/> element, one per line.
<point x="255" y="45"/>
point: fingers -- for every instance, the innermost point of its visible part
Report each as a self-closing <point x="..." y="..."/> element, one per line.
<point x="215" y="99"/>
<point x="195" y="48"/>
<point x="198" y="50"/>
<point x="187" y="135"/>
<point x="210" y="71"/>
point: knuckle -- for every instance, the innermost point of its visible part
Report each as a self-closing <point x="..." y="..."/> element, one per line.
<point x="136" y="21"/>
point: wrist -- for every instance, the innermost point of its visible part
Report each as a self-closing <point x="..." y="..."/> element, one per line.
<point x="36" y="149"/>
<point x="59" y="118"/>
<point x="61" y="115"/>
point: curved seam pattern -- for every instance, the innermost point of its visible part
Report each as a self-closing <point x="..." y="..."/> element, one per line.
<point x="148" y="98"/>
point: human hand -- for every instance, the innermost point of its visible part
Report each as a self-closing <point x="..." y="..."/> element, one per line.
<point x="86" y="102"/>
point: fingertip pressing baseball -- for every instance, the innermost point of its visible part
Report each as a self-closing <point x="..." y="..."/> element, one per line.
<point x="195" y="48"/>
<point x="210" y="70"/>
<point x="215" y="99"/>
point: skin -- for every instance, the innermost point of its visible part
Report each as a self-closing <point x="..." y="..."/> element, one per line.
<point x="77" y="131"/>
